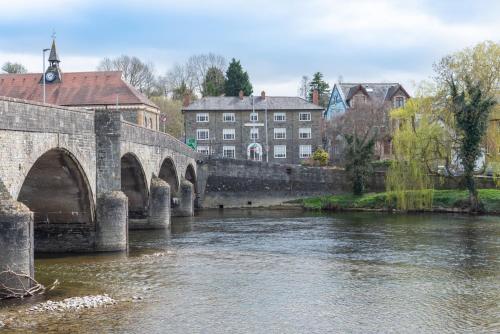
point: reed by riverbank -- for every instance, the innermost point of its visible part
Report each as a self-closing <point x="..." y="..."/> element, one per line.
<point x="443" y="201"/>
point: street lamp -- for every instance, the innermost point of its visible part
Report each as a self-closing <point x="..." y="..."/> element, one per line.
<point x="43" y="72"/>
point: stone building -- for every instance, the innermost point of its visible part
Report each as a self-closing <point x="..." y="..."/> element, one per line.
<point x="264" y="128"/>
<point x="93" y="90"/>
<point x="373" y="102"/>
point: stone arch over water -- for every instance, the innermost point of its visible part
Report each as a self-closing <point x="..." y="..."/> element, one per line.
<point x="168" y="173"/>
<point x="134" y="185"/>
<point x="190" y="175"/>
<point x="57" y="191"/>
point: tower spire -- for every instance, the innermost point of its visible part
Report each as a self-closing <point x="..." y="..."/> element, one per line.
<point x="53" y="57"/>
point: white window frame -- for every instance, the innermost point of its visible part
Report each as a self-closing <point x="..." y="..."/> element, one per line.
<point x="279" y="117"/>
<point x="228" y="117"/>
<point x="226" y="149"/>
<point x="254" y="117"/>
<point x="305" y="133"/>
<point x="199" y="131"/>
<point x="307" y="117"/>
<point x="228" y="134"/>
<point x="203" y="150"/>
<point x="305" y="151"/>
<point x="254" y="131"/>
<point x="279" y="151"/>
<point x="280" y="133"/>
<point x="396" y="101"/>
<point x="202" y="117"/>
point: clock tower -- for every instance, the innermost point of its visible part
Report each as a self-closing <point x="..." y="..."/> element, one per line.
<point x="53" y="73"/>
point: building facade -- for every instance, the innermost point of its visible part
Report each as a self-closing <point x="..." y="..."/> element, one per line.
<point x="264" y="128"/>
<point x="91" y="90"/>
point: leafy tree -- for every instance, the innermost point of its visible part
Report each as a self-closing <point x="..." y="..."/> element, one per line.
<point x="180" y="92"/>
<point x="236" y="80"/>
<point x="171" y="111"/>
<point x="359" y="154"/>
<point x="9" y="67"/>
<point x="471" y="107"/>
<point x="213" y="85"/>
<point x="323" y="88"/>
<point x="136" y="72"/>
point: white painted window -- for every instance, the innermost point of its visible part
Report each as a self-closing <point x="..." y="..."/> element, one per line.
<point x="202" y="117"/>
<point x="305" y="151"/>
<point x="279" y="133"/>
<point x="254" y="133"/>
<point x="228" y="117"/>
<point x="304" y="116"/>
<point x="280" y="151"/>
<point x="202" y="134"/>
<point x="399" y="102"/>
<point x="203" y="150"/>
<point x="229" y="152"/>
<point x="254" y="117"/>
<point x="279" y="117"/>
<point x="305" y="133"/>
<point x="228" y="134"/>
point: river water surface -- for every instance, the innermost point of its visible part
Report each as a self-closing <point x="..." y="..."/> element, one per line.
<point x="286" y="272"/>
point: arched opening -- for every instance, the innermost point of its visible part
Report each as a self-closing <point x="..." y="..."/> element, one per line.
<point x="191" y="175"/>
<point x="168" y="173"/>
<point x="57" y="192"/>
<point x="134" y="185"/>
<point x="254" y="152"/>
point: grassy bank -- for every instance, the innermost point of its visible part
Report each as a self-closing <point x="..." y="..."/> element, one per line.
<point x="443" y="200"/>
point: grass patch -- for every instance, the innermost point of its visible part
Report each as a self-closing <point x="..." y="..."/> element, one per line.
<point x="445" y="199"/>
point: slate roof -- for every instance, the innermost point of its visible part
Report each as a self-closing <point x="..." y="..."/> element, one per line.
<point x="235" y="103"/>
<point x="76" y="89"/>
<point x="377" y="91"/>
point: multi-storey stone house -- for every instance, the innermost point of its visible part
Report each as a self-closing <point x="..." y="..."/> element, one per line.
<point x="94" y="90"/>
<point x="264" y="128"/>
<point x="373" y="102"/>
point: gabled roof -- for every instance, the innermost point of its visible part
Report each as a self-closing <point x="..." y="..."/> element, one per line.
<point x="76" y="89"/>
<point x="377" y="91"/>
<point x="354" y="89"/>
<point x="235" y="103"/>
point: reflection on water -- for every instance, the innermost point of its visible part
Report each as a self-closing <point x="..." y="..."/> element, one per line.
<point x="261" y="271"/>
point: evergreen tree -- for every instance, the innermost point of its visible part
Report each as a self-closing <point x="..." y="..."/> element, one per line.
<point x="359" y="155"/>
<point x="236" y="80"/>
<point x="213" y="84"/>
<point x="323" y="88"/>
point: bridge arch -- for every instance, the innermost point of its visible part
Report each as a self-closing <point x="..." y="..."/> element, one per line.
<point x="168" y="172"/>
<point x="57" y="191"/>
<point x="134" y="184"/>
<point x="190" y="175"/>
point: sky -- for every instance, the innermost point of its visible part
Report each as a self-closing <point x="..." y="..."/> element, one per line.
<point x="277" y="41"/>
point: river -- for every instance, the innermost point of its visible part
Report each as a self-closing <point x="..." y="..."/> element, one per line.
<point x="260" y="271"/>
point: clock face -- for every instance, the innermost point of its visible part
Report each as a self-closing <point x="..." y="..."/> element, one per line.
<point x="50" y="76"/>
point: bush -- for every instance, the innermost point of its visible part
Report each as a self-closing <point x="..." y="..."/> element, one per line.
<point x="321" y="157"/>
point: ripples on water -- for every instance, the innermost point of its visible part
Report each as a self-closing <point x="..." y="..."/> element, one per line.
<point x="290" y="272"/>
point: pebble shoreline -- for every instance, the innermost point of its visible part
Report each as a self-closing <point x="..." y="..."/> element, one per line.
<point x="73" y="304"/>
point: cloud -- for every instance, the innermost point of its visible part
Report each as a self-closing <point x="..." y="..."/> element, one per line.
<point x="69" y="63"/>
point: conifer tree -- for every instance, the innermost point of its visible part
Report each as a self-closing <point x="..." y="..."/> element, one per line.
<point x="236" y="80"/>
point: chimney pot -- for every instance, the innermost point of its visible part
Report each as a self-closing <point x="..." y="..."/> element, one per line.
<point x="315" y="97"/>
<point x="187" y="100"/>
<point x="241" y="94"/>
<point x="263" y="95"/>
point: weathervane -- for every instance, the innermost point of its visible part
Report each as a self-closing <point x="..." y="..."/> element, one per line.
<point x="53" y="34"/>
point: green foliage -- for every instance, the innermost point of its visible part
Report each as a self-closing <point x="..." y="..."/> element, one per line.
<point x="213" y="83"/>
<point x="471" y="108"/>
<point x="359" y="154"/>
<point x="443" y="199"/>
<point x="9" y="67"/>
<point x="171" y="109"/>
<point x="236" y="80"/>
<point x="321" y="157"/>
<point x="323" y="88"/>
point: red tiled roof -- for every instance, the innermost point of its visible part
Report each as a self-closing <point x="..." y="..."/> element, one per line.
<point x="76" y="89"/>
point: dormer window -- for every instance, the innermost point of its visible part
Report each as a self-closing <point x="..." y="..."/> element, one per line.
<point x="399" y="102"/>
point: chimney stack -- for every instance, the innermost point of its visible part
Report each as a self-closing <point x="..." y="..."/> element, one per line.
<point x="241" y="95"/>
<point x="263" y="95"/>
<point x="315" y="97"/>
<point x="187" y="100"/>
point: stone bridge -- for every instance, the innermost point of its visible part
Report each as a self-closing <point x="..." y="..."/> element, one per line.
<point x="75" y="180"/>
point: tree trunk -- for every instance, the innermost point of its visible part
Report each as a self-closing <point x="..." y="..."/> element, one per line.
<point x="474" y="203"/>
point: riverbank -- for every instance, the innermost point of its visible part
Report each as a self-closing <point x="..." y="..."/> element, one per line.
<point x="443" y="201"/>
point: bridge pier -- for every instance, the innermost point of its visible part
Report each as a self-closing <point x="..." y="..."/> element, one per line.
<point x="159" y="204"/>
<point x="185" y="205"/>
<point x="112" y="221"/>
<point x="16" y="243"/>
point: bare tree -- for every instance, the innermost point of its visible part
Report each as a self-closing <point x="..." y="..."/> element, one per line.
<point x="136" y="72"/>
<point x="303" y="87"/>
<point x="197" y="67"/>
<point x="176" y="79"/>
<point x="9" y="67"/>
